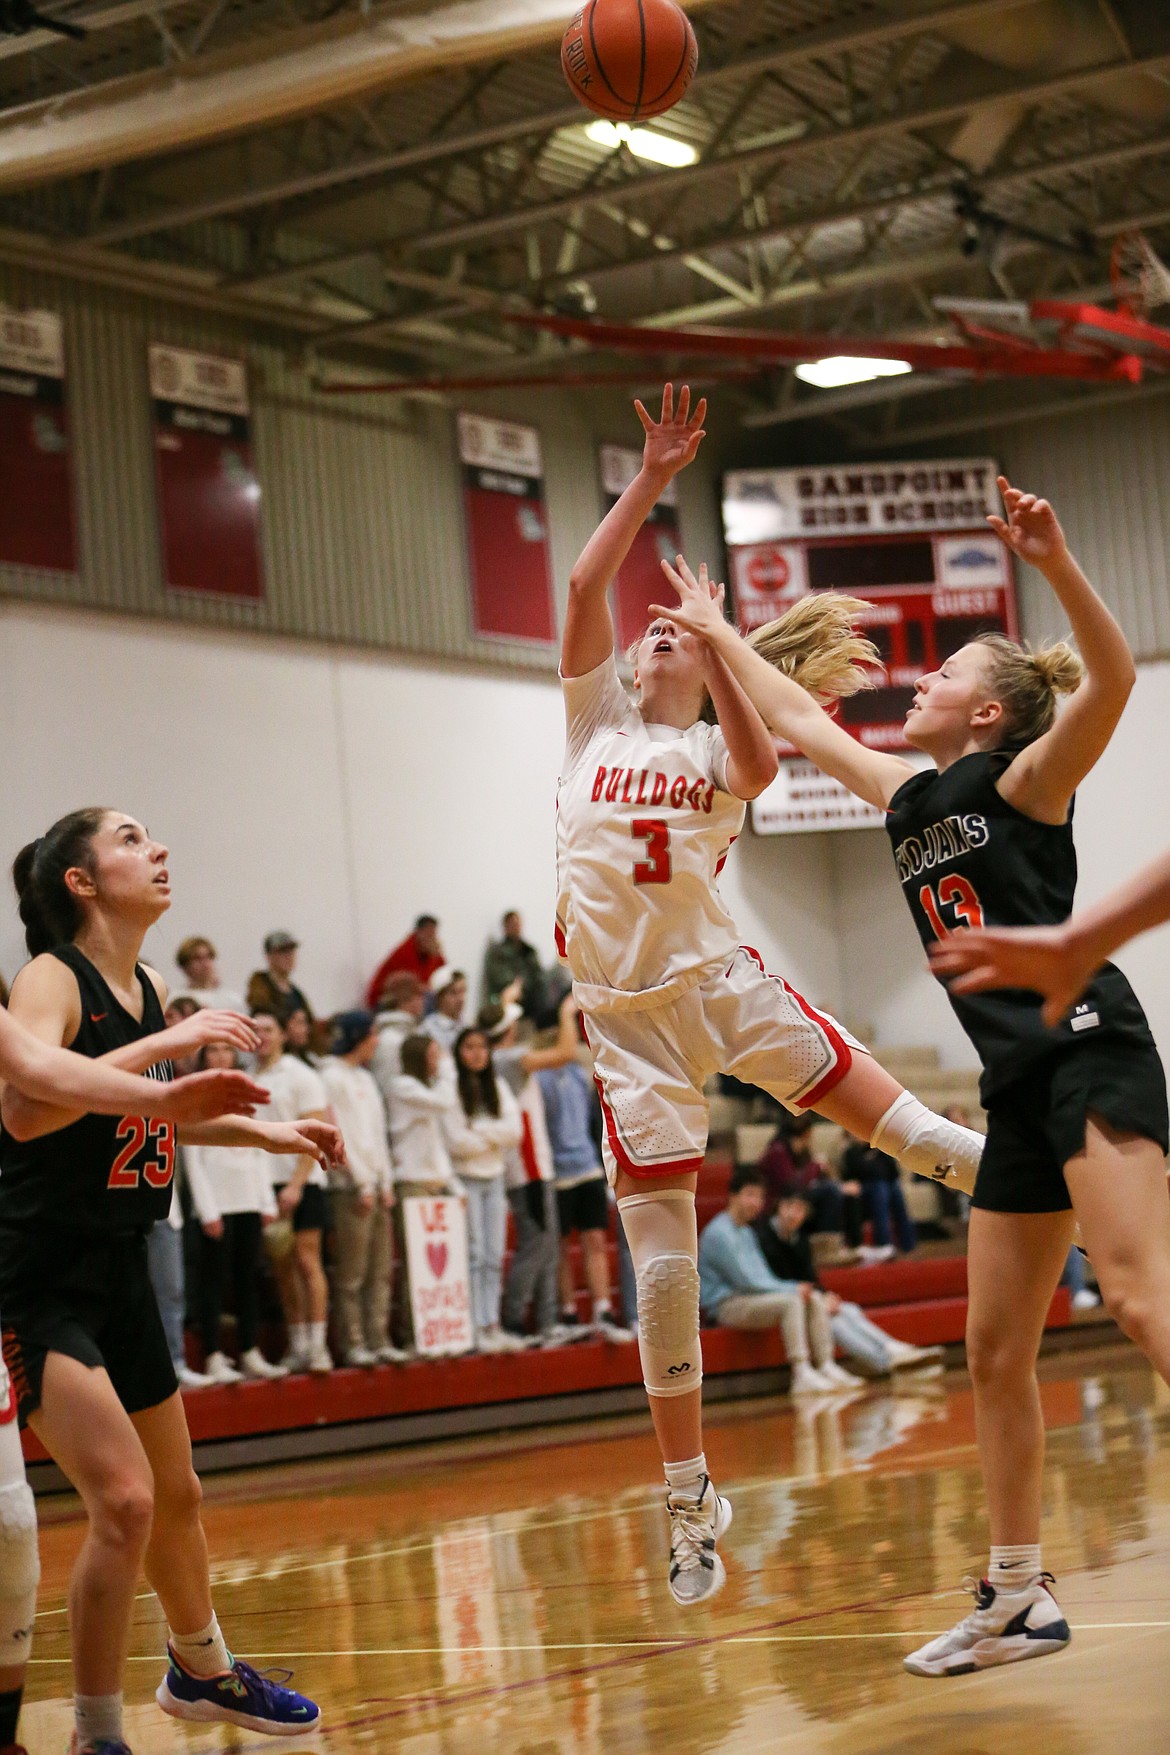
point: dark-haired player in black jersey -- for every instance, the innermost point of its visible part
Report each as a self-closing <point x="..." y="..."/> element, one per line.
<point x="1077" y="1113"/>
<point x="83" y="1339"/>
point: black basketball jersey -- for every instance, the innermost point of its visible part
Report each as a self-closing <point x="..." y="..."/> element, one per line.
<point x="105" y="1172"/>
<point x="966" y="857"/>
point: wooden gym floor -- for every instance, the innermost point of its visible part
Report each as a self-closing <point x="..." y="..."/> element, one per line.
<point x="511" y="1595"/>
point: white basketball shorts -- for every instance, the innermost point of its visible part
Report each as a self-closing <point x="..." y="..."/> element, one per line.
<point x="651" y="1064"/>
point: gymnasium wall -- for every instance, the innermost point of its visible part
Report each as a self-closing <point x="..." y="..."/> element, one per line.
<point x="334" y="792"/>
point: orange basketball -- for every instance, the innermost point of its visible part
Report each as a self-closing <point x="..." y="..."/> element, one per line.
<point x="629" y="60"/>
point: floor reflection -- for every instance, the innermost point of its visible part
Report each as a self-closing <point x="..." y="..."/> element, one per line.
<point x="466" y="1603"/>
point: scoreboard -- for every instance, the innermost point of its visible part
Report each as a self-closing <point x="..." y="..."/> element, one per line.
<point x="909" y="539"/>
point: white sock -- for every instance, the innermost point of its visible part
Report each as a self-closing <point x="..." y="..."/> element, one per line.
<point x="1013" y="1569"/>
<point x="97" y="1718"/>
<point x="687" y="1477"/>
<point x="203" y="1653"/>
<point x="298" y="1334"/>
<point x="601" y="1307"/>
<point x="316" y="1335"/>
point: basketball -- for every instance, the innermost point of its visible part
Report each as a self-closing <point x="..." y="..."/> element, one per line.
<point x="629" y="60"/>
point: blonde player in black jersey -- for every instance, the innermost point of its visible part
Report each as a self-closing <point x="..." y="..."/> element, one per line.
<point x="83" y="1340"/>
<point x="1077" y="1112"/>
<point x="52" y="1075"/>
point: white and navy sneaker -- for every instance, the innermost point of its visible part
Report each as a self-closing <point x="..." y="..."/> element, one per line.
<point x="240" y="1696"/>
<point x="696" y="1571"/>
<point x="1003" y="1628"/>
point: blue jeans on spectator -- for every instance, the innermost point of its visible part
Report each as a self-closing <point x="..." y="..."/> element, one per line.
<point x="1074" y="1275"/>
<point x="861" y="1339"/>
<point x="884" y="1205"/>
<point x="164" y="1260"/>
<point x="487" y="1229"/>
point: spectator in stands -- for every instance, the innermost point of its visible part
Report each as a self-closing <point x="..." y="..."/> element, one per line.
<point x="512" y="959"/>
<point x="297" y="1093"/>
<point x="419" y="1099"/>
<point x="883" y="1199"/>
<point x="404" y="1000"/>
<point x="836" y="1206"/>
<point x="533" y="1272"/>
<point x="164" y="1242"/>
<point x="196" y="958"/>
<point x="419" y="954"/>
<point x="785" y="1247"/>
<point x="231" y="1191"/>
<point x="273" y="989"/>
<point x="739" y="1290"/>
<point x="299" y="1036"/>
<point x="582" y="1196"/>
<point x="363" y="1195"/>
<point x="481" y="1129"/>
<point x="448" y="988"/>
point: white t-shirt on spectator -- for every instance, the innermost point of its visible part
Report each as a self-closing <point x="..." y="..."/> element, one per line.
<point x="479" y="1144"/>
<point x="228" y="1179"/>
<point x="296" y="1090"/>
<point x="361" y="1116"/>
<point x="212" y="999"/>
<point x="393" y="1029"/>
<point x="417" y="1141"/>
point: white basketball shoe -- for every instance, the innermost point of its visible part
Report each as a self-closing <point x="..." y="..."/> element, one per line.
<point x="696" y="1571"/>
<point x="1003" y="1628"/>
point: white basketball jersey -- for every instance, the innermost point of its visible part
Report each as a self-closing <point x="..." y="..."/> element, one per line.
<point x="644" y="825"/>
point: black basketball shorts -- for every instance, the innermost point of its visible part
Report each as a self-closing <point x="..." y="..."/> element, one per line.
<point x="1037" y="1123"/>
<point x="89" y="1297"/>
<point x="583" y="1207"/>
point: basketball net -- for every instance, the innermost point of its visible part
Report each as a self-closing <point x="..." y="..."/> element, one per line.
<point x="1141" y="280"/>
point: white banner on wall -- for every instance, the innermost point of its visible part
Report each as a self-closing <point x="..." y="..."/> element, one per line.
<point x="436" y="1267"/>
<point x="31" y="341"/>
<point x="766" y="505"/>
<point x="802" y="799"/>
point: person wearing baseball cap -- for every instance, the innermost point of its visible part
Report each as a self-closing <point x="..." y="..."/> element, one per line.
<point x="448" y="989"/>
<point x="273" y="989"/>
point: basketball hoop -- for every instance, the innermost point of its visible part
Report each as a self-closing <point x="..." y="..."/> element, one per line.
<point x="1141" y="280"/>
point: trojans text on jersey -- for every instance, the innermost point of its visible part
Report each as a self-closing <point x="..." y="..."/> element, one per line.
<point x="939" y="843"/>
<point x="651" y="786"/>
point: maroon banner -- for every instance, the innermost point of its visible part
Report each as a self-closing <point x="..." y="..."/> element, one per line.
<point x="639" y="582"/>
<point x="36" y="487"/>
<point x="507" y="531"/>
<point x="208" y="492"/>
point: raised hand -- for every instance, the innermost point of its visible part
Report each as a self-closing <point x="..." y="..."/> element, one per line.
<point x="699" y="609"/>
<point x="1031" y="529"/>
<point x="1041" y="959"/>
<point x="673" y="440"/>
<point x="204" y="1096"/>
<point x="205" y="1026"/>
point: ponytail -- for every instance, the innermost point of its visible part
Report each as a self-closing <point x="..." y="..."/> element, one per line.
<point x="49" y="910"/>
<point x="1026" y="683"/>
<point x="814" y="643"/>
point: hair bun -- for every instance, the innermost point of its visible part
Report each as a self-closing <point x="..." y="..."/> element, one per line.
<point x="1060" y="667"/>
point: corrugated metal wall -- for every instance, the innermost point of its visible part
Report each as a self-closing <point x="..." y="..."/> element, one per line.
<point x="362" y="509"/>
<point x="1108" y="476"/>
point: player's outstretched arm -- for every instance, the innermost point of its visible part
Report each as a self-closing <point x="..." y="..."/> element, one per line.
<point x="51" y="1075"/>
<point x="1057" y="961"/>
<point x="1042" y="778"/>
<point x="671" y="443"/>
<point x="310" y="1137"/>
<point x="788" y="710"/>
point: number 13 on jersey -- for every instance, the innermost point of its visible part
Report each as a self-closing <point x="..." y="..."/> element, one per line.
<point x="956" y="893"/>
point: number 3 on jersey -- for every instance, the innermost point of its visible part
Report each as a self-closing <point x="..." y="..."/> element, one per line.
<point x="954" y="892"/>
<point x="655" y="868"/>
<point x="134" y="1131"/>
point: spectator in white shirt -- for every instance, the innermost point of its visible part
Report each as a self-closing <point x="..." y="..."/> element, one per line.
<point x="297" y="1092"/>
<point x="419" y="1099"/>
<point x="400" y="1017"/>
<point x="363" y="1195"/>
<point x="196" y="957"/>
<point x="448" y="988"/>
<point x="481" y="1130"/>
<point x="231" y="1191"/>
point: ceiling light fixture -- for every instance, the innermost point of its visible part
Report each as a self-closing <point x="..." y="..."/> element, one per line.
<point x="660" y="149"/>
<point x="843" y="368"/>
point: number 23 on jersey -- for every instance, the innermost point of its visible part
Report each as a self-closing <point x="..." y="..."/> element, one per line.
<point x="132" y="1134"/>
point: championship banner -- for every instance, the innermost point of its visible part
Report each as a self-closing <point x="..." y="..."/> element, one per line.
<point x="910" y="540"/>
<point x="208" y="493"/>
<point x="36" y="488"/>
<point x="435" y="1231"/>
<point x="507" y="530"/>
<point x="639" y="582"/>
